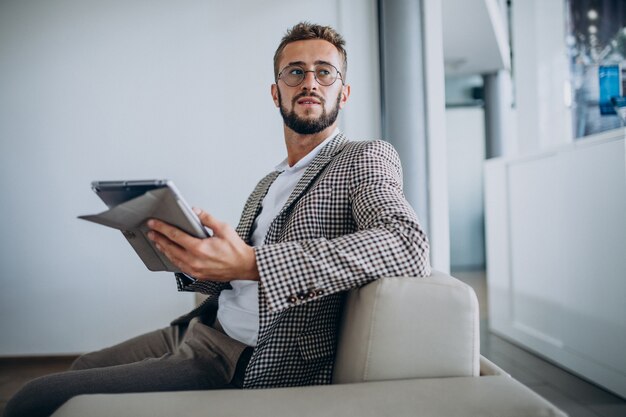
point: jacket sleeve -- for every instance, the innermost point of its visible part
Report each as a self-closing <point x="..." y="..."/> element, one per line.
<point x="189" y="284"/>
<point x="388" y="242"/>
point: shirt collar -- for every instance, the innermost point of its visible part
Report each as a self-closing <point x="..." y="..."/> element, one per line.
<point x="306" y="160"/>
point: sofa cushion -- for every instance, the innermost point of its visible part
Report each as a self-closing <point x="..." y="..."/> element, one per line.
<point x="400" y="328"/>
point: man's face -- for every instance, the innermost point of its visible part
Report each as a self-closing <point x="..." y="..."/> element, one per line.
<point x="310" y="107"/>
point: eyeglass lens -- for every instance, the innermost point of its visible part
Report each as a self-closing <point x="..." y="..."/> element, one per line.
<point x="293" y="75"/>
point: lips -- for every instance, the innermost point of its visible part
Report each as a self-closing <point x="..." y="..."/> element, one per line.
<point x="308" y="101"/>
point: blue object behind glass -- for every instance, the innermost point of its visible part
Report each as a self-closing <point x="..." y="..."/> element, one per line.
<point x="610" y="86"/>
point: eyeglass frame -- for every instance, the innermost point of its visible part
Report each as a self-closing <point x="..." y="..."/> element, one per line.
<point x="339" y="75"/>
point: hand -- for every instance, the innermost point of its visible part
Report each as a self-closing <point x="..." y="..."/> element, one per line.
<point x="222" y="257"/>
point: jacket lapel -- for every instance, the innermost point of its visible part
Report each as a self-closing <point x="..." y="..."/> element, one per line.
<point x="253" y="205"/>
<point x="315" y="167"/>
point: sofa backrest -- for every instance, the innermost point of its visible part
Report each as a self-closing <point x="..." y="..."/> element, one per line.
<point x="399" y="328"/>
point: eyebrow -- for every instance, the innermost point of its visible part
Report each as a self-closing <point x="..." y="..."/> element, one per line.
<point x="302" y="63"/>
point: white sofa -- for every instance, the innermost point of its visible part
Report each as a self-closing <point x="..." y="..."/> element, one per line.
<point x="408" y="347"/>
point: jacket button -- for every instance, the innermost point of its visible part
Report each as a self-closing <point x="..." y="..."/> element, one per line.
<point x="292" y="299"/>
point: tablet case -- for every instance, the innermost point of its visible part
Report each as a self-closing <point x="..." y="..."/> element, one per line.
<point x="130" y="217"/>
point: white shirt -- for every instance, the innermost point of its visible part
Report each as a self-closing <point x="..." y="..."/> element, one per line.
<point x="238" y="310"/>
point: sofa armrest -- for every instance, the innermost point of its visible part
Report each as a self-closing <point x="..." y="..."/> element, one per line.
<point x="401" y="328"/>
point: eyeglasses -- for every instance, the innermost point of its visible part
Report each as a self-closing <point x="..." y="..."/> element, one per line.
<point x="325" y="74"/>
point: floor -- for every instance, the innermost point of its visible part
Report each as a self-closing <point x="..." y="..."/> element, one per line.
<point x="573" y="395"/>
<point x="16" y="372"/>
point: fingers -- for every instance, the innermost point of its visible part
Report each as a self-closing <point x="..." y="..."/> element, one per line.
<point x="205" y="218"/>
<point x="172" y="242"/>
<point x="172" y="233"/>
<point x="209" y="221"/>
<point x="175" y="253"/>
<point x="224" y="257"/>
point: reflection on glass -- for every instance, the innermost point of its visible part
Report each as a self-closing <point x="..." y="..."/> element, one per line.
<point x="596" y="42"/>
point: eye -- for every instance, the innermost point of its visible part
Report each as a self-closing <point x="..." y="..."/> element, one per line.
<point x="325" y="72"/>
<point x="295" y="71"/>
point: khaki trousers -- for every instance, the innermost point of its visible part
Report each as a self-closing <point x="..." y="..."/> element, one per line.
<point x="190" y="357"/>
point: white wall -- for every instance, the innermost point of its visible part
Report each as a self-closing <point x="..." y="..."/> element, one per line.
<point x="465" y="131"/>
<point x="136" y="89"/>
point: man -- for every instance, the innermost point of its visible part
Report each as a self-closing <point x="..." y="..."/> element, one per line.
<point x="330" y="218"/>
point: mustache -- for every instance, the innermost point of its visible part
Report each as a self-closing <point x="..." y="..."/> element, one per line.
<point x="307" y="94"/>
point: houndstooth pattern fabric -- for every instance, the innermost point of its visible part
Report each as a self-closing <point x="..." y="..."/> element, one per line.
<point x="345" y="224"/>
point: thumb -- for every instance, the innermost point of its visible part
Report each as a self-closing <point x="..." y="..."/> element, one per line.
<point x="208" y="220"/>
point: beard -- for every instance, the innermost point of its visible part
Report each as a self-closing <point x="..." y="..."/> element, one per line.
<point x="304" y="126"/>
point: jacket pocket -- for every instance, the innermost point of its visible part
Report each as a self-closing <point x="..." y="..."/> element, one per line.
<point x="318" y="345"/>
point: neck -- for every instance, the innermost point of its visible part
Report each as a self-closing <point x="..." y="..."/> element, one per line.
<point x="298" y="146"/>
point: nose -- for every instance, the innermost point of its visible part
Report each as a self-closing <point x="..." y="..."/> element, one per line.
<point x="309" y="82"/>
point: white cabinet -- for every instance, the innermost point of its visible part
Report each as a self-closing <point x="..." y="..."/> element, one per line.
<point x="556" y="255"/>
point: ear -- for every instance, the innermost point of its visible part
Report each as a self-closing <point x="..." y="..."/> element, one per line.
<point x="345" y="94"/>
<point x="274" y="90"/>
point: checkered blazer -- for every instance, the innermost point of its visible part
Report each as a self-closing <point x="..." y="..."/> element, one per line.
<point x="345" y="224"/>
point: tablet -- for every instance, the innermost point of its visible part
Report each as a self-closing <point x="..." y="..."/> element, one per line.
<point x="117" y="192"/>
<point x="132" y="203"/>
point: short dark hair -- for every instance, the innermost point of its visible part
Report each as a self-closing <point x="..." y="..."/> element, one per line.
<point x="306" y="31"/>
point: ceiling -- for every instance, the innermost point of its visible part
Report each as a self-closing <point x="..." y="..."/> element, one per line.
<point x="475" y="37"/>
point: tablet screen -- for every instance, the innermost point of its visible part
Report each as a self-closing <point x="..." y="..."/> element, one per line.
<point x="117" y="192"/>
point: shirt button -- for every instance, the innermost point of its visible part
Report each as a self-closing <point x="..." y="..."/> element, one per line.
<point x="311" y="294"/>
<point x="292" y="299"/>
<point x="301" y="296"/>
<point x="319" y="292"/>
